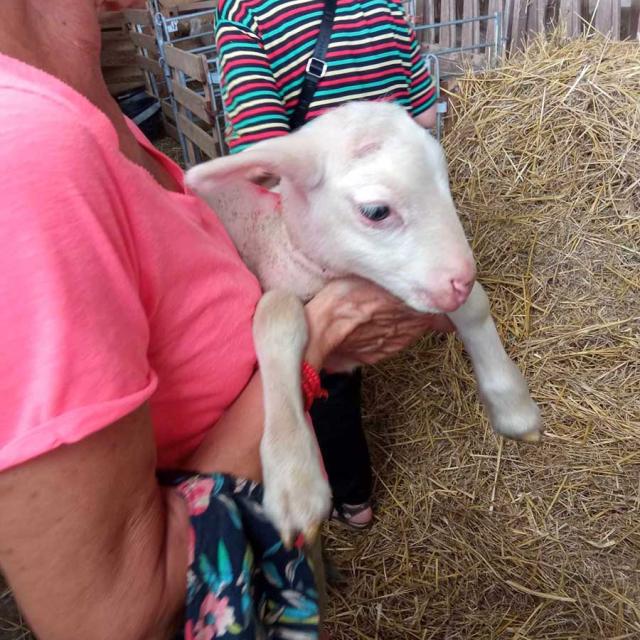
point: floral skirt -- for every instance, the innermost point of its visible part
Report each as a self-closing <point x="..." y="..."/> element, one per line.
<point x="242" y="583"/>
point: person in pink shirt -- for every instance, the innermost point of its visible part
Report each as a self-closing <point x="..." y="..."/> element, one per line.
<point x="125" y="347"/>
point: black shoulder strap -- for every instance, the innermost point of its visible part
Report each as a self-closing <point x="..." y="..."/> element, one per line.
<point x="316" y="66"/>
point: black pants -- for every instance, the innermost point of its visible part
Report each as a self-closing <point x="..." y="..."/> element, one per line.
<point x="338" y="425"/>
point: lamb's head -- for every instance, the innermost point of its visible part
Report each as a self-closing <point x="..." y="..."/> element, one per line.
<point x="365" y="192"/>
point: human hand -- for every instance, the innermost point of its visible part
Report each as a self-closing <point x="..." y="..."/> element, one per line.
<point x="353" y="320"/>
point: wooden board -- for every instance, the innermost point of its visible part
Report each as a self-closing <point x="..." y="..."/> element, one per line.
<point x="447" y="34"/>
<point x="141" y="17"/>
<point x="633" y="23"/>
<point x="117" y="35"/>
<point x="428" y="35"/>
<point x="602" y="18"/>
<point x="144" y="41"/>
<point x="535" y="17"/>
<point x="112" y="20"/>
<point x="167" y="110"/>
<point x="200" y="138"/>
<point x="150" y="65"/>
<point x="518" y="24"/>
<point x="195" y="66"/>
<point x="607" y="19"/>
<point x="116" y="88"/>
<point x="615" y="19"/>
<point x="470" y="30"/>
<point x="171" y="130"/>
<point x="123" y="74"/>
<point x="569" y="17"/>
<point x="174" y="7"/>
<point x="118" y="55"/>
<point x="193" y="101"/>
<point x="169" y="118"/>
<point x="123" y="58"/>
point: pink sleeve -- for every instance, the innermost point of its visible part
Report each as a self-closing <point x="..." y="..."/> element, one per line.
<point x="73" y="329"/>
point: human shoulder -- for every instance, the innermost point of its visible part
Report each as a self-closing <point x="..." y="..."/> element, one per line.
<point x="398" y="8"/>
<point x="240" y="13"/>
<point x="41" y="129"/>
<point x="397" y="5"/>
<point x="57" y="173"/>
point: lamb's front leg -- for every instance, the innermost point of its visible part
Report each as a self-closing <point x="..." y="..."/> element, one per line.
<point x="503" y="389"/>
<point x="297" y="496"/>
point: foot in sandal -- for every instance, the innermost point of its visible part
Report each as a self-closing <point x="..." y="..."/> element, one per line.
<point x="355" y="516"/>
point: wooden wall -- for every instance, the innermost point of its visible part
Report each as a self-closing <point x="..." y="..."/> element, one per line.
<point x="524" y="18"/>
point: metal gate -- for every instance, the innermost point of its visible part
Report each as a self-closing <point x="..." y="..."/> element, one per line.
<point x="198" y="40"/>
<point x="453" y="46"/>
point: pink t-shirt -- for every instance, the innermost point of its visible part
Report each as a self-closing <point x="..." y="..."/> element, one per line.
<point x="113" y="290"/>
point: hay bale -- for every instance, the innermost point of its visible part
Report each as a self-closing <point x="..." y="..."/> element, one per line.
<point x="481" y="538"/>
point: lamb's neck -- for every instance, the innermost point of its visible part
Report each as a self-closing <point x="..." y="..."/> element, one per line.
<point x="288" y="265"/>
<point x="302" y="262"/>
<point x="257" y="228"/>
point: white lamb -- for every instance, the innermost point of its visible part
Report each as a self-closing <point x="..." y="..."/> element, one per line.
<point x="363" y="191"/>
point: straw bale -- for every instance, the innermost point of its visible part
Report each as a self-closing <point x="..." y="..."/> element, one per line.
<point x="477" y="537"/>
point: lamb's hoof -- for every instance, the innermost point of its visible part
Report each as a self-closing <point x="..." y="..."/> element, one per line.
<point x="534" y="436"/>
<point x="297" y="498"/>
<point x="516" y="419"/>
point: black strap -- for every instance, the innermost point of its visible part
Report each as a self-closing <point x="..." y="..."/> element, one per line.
<point x="316" y="66"/>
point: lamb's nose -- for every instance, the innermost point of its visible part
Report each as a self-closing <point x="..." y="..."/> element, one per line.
<point x="462" y="288"/>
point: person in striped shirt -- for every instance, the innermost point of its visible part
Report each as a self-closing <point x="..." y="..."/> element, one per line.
<point x="264" y="46"/>
<point x="373" y="54"/>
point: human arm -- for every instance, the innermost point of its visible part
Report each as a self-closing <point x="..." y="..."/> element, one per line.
<point x="253" y="104"/>
<point x="90" y="543"/>
<point x="356" y="320"/>
<point x="427" y="119"/>
<point x="422" y="91"/>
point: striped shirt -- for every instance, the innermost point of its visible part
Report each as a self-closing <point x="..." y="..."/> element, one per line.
<point x="264" y="45"/>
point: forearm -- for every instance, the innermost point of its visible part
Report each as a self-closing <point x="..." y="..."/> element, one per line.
<point x="427" y="119"/>
<point x="90" y="543"/>
<point x="233" y="444"/>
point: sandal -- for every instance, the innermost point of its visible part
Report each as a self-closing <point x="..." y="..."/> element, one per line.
<point x="355" y="516"/>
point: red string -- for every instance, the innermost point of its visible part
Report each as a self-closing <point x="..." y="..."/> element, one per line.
<point x="311" y="386"/>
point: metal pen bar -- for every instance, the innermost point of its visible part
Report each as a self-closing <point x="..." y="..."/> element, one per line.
<point x="471" y="47"/>
<point x="189" y="16"/>
<point x="498" y="36"/>
<point x="194" y="36"/>
<point x="205" y="49"/>
<point x="434" y="68"/>
<point x="182" y="39"/>
<point x="450" y="23"/>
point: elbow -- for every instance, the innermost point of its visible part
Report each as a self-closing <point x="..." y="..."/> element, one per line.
<point x="427" y="119"/>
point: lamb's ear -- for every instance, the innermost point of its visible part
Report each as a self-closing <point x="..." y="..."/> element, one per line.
<point x="291" y="156"/>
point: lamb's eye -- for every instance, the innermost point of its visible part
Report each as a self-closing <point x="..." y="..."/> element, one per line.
<point x="375" y="212"/>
